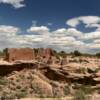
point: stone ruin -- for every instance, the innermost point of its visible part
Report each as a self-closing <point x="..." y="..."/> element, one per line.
<point x="28" y="54"/>
<point x="46" y="55"/>
<point x="17" y="59"/>
<point x="14" y="54"/>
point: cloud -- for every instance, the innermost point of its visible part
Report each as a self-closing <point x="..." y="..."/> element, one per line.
<point x="94" y="46"/>
<point x="38" y="30"/>
<point x="38" y="36"/>
<point x="10" y="37"/>
<point x="97" y="41"/>
<point x="67" y="39"/>
<point x="73" y="22"/>
<point x="8" y="30"/>
<point x="60" y="39"/>
<point x="90" y="41"/>
<point x="87" y="20"/>
<point x="74" y="32"/>
<point x="68" y="32"/>
<point x="49" y="24"/>
<point x="6" y="35"/>
<point x="97" y="26"/>
<point x="14" y="3"/>
<point x="91" y="35"/>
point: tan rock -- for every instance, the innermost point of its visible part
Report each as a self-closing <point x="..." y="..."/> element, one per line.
<point x="98" y="74"/>
<point x="41" y="87"/>
<point x="97" y="79"/>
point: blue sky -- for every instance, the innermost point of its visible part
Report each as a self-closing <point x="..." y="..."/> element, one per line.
<point x="45" y="11"/>
<point x="60" y="24"/>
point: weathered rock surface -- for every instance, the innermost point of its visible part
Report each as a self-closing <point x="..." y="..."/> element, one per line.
<point x="48" y="76"/>
<point x="42" y="87"/>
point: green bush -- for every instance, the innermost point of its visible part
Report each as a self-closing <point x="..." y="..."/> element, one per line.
<point x="79" y="95"/>
<point x="82" y="93"/>
<point x="81" y="70"/>
<point x="77" y="53"/>
<point x="18" y="87"/>
<point x="21" y="94"/>
<point x="87" y="89"/>
<point x="98" y="55"/>
<point x="66" y="90"/>
<point x="3" y="81"/>
<point x="7" y="95"/>
<point x="98" y="90"/>
<point x="62" y="54"/>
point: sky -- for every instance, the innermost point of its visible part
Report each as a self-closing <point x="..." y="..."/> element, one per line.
<point x="66" y="25"/>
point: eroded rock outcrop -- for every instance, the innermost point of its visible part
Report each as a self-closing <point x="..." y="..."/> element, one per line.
<point x="48" y="76"/>
<point x="42" y="87"/>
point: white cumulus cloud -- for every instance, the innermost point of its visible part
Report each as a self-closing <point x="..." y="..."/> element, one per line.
<point x="87" y="20"/>
<point x="14" y="3"/>
<point x="67" y="39"/>
<point x="38" y="29"/>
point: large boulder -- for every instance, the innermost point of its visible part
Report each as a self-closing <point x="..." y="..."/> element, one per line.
<point x="41" y="87"/>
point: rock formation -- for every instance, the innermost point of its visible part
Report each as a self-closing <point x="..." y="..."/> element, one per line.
<point x="45" y="75"/>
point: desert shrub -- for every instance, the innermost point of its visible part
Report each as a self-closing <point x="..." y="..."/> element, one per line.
<point x="55" y="53"/>
<point x="57" y="92"/>
<point x="81" y="70"/>
<point x="79" y="95"/>
<point x="18" y="87"/>
<point x="77" y="53"/>
<point x="36" y="90"/>
<point x="98" y="69"/>
<point x="3" y="81"/>
<point x="1" y="53"/>
<point x="35" y="50"/>
<point x="87" y="89"/>
<point x="62" y="54"/>
<point x="98" y="90"/>
<point x="66" y="90"/>
<point x="21" y="76"/>
<point x="7" y="96"/>
<point x="82" y="93"/>
<point x="13" y="83"/>
<point x="20" y="94"/>
<point x="23" y="90"/>
<point x="17" y="80"/>
<point x="98" y="55"/>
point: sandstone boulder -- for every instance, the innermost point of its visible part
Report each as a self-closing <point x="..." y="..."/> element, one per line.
<point x="41" y="87"/>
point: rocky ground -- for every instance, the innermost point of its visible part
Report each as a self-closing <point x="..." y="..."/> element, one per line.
<point x="78" y="78"/>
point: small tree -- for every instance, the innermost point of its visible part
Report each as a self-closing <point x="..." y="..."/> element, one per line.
<point x="77" y="53"/>
<point x="79" y="95"/>
<point x="62" y="54"/>
<point x="98" y="55"/>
